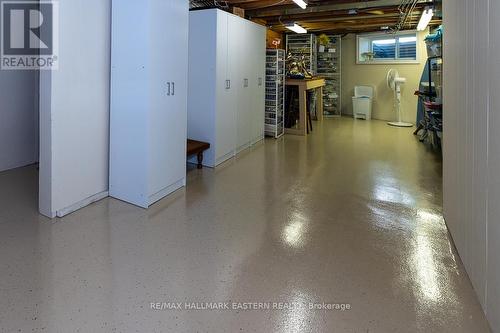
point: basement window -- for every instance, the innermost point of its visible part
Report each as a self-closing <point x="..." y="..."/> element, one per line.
<point x="377" y="48"/>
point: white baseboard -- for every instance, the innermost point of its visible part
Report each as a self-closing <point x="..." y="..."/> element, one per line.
<point x="80" y="204"/>
<point x="166" y="191"/>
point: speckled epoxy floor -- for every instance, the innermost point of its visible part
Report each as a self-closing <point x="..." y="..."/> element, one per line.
<point x="350" y="215"/>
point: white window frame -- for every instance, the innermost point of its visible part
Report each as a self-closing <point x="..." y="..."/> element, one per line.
<point x="383" y="35"/>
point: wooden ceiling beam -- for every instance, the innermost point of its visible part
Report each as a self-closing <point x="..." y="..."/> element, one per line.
<point x="345" y="27"/>
<point x="289" y="5"/>
<point x="277" y="11"/>
<point x="365" y="18"/>
<point x="277" y="3"/>
<point x="338" y="15"/>
<point x="328" y="15"/>
<point x="261" y="4"/>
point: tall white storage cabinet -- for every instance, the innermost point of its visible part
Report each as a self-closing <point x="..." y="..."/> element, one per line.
<point x="226" y="83"/>
<point x="74" y="111"/>
<point x="148" y="99"/>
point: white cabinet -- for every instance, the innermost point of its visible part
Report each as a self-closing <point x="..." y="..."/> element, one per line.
<point x="148" y="99"/>
<point x="259" y="75"/>
<point x="240" y="71"/>
<point x="74" y="110"/>
<point x="226" y="83"/>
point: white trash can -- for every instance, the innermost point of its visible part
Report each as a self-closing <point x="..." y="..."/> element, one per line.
<point x="362" y="102"/>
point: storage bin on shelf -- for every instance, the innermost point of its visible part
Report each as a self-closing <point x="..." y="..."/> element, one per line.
<point x="434" y="43"/>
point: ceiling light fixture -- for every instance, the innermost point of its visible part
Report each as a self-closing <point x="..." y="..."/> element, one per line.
<point x="301" y="3"/>
<point x="295" y="28"/>
<point x="425" y="19"/>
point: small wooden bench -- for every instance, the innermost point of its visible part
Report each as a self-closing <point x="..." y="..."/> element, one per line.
<point x="197" y="148"/>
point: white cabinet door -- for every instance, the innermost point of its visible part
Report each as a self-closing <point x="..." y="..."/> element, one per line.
<point x="168" y="122"/>
<point x="258" y="70"/>
<point x="252" y="60"/>
<point x="178" y="63"/>
<point x="225" y="127"/>
<point x="243" y="61"/>
<point x="262" y="87"/>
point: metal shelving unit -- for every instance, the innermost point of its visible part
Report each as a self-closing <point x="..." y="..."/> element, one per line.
<point x="329" y="67"/>
<point x="306" y="44"/>
<point x="275" y="93"/>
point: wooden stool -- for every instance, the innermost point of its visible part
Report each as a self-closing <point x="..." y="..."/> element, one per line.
<point x="197" y="147"/>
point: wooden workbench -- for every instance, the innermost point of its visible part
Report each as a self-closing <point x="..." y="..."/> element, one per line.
<point x="305" y="85"/>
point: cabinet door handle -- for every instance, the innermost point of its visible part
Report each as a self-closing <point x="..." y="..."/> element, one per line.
<point x="168" y="89"/>
<point x="260" y="81"/>
<point x="228" y="84"/>
<point x="173" y="88"/>
<point x="245" y="83"/>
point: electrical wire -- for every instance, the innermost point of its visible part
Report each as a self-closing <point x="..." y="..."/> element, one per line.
<point x="406" y="9"/>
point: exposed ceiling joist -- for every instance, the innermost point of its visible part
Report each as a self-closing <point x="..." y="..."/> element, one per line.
<point x="322" y="6"/>
<point x="364" y="14"/>
<point x="339" y="16"/>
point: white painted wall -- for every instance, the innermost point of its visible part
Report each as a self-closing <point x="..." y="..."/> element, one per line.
<point x="472" y="143"/>
<point x="493" y="204"/>
<point x="18" y="118"/>
<point x="74" y="110"/>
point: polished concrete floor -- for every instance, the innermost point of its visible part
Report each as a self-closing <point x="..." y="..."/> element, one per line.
<point x="349" y="217"/>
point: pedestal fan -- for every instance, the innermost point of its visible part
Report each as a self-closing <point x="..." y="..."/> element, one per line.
<point x="394" y="82"/>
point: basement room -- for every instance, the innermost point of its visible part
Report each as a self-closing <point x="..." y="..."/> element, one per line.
<point x="249" y="166"/>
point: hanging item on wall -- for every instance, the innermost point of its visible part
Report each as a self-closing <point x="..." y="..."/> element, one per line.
<point x="297" y="67"/>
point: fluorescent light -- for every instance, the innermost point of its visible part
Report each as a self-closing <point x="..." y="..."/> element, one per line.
<point x="301" y="3"/>
<point x="407" y="39"/>
<point x="425" y="19"/>
<point x="296" y="28"/>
